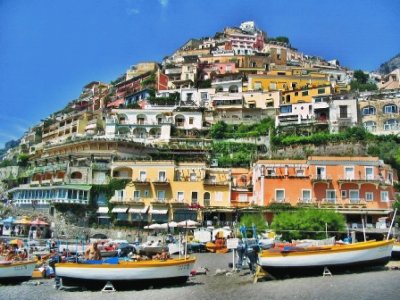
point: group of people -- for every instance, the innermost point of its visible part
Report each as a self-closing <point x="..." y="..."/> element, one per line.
<point x="12" y="252"/>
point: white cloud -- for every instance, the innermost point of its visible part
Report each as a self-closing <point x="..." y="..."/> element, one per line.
<point x="164" y="3"/>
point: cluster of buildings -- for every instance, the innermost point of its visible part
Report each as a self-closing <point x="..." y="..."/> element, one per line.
<point x="151" y="125"/>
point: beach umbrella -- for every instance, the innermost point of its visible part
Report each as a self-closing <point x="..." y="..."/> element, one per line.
<point x="9" y="220"/>
<point x="23" y="221"/>
<point x="188" y="223"/>
<point x="17" y="242"/>
<point x="155" y="226"/>
<point x="39" y="222"/>
<point x="172" y="224"/>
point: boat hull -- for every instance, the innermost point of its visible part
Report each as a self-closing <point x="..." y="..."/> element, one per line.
<point x="335" y="258"/>
<point x="16" y="272"/>
<point x="396" y="250"/>
<point x="126" y="274"/>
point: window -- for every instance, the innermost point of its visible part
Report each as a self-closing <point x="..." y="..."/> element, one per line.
<point x="285" y="109"/>
<point x="136" y="195"/>
<point x="193" y="177"/>
<point x="257" y="85"/>
<point x="384" y="196"/>
<point x="279" y="195"/>
<point x="194" y="197"/>
<point x="146" y="193"/>
<point x="271" y="172"/>
<point x="160" y="195"/>
<point x="389" y="178"/>
<point x="343" y="111"/>
<point x="204" y="96"/>
<point x="299" y="173"/>
<point x="296" y="93"/>
<point x="344" y="194"/>
<point x="321" y="91"/>
<point x="180" y="197"/>
<point x="369" y="110"/>
<point x="370" y="126"/>
<point x="161" y="176"/>
<point x="189" y="96"/>
<point x="191" y="120"/>
<point x="369" y="196"/>
<point x="390" y="109"/>
<point x="305" y="93"/>
<point x="331" y="196"/>
<point x="207" y="198"/>
<point x="391" y="124"/>
<point x="306" y="196"/>
<point x="272" y="86"/>
<point x="242" y="197"/>
<point x="321" y="173"/>
<point x="119" y="194"/>
<point x="369" y="173"/>
<point x="349" y="173"/>
<point x="354" y="196"/>
<point x="142" y="176"/>
<point x="218" y="196"/>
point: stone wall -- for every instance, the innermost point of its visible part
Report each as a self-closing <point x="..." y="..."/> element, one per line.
<point x="303" y="151"/>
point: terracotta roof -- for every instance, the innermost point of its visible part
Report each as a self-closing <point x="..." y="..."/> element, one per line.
<point x="282" y="161"/>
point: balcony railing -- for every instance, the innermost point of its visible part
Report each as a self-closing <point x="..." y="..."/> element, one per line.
<point x="161" y="181"/>
<point x="136" y="199"/>
<point x="215" y="182"/>
<point x="141" y="181"/>
<point x="321" y="178"/>
<point x="280" y="200"/>
<point x="160" y="200"/>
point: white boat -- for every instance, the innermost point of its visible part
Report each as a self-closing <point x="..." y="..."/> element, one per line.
<point x="16" y="271"/>
<point x="296" y="260"/>
<point x="125" y="273"/>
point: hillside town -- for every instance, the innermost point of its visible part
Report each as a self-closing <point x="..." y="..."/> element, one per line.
<point x="195" y="137"/>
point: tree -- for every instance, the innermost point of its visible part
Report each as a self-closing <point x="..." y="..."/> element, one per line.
<point x="258" y="220"/>
<point x="360" y="76"/>
<point x="307" y="223"/>
<point x="218" y="131"/>
<point x="23" y="159"/>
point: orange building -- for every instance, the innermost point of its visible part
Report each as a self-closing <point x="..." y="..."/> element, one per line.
<point x="359" y="187"/>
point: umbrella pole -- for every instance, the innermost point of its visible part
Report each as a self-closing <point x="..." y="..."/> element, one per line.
<point x="186" y="239"/>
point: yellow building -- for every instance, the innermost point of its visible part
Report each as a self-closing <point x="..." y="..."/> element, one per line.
<point x="286" y="80"/>
<point x="162" y="191"/>
<point x="305" y="95"/>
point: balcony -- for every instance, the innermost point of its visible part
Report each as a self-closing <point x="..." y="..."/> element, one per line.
<point x="141" y="181"/>
<point x="212" y="182"/>
<point x="354" y="202"/>
<point x="307" y="202"/>
<point x="161" y="181"/>
<point x="118" y="200"/>
<point x="136" y="200"/>
<point x="361" y="179"/>
<point x="160" y="200"/>
<point x="320" y="178"/>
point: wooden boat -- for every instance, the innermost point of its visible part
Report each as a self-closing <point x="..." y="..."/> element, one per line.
<point x="301" y="261"/>
<point x="16" y="271"/>
<point x="124" y="274"/>
<point x="396" y="250"/>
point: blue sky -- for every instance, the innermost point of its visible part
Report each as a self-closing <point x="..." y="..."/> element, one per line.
<point x="49" y="49"/>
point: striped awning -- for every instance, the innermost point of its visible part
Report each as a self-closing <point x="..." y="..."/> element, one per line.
<point x="138" y="210"/>
<point x="102" y="210"/>
<point x="119" y="210"/>
<point x="158" y="211"/>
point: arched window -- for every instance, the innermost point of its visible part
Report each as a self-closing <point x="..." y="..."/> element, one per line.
<point x="370" y="126"/>
<point x="76" y="175"/>
<point x="233" y="89"/>
<point x="219" y="89"/>
<point x="368" y="110"/>
<point x="391" y="124"/>
<point x="390" y="109"/>
<point x="207" y="199"/>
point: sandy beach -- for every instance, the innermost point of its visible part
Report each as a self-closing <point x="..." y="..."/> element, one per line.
<point x="378" y="282"/>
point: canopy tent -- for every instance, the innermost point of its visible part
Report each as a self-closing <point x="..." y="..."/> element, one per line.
<point x="39" y="222"/>
<point x="138" y="210"/>
<point x="102" y="210"/>
<point x="188" y="223"/>
<point x="17" y="242"/>
<point x="9" y="220"/>
<point x="23" y="221"/>
<point x="119" y="210"/>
